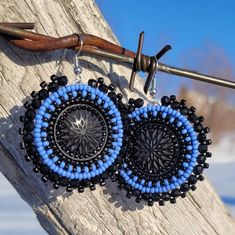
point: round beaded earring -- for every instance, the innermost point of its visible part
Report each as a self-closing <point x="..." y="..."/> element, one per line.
<point x="73" y="133"/>
<point x="166" y="149"/>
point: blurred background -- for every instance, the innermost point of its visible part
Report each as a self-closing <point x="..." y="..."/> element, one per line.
<point x="202" y="37"/>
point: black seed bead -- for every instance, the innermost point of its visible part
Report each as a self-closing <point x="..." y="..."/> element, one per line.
<point x="129" y="194"/>
<point x="27" y="104"/>
<point x="62" y="81"/>
<point x="156" y="197"/>
<point x="43" y="84"/>
<point x="92" y="83"/>
<point x="21" y="131"/>
<point x="175" y="192"/>
<point x="201" y="159"/>
<point x="28" y="138"/>
<point x="32" y="150"/>
<point x="53" y="77"/>
<point x="202" y="148"/>
<point x="35" y="170"/>
<point x="185" y="187"/>
<point x="34" y="94"/>
<point x="100" y="80"/>
<point x="44" y="179"/>
<point x="209" y="142"/>
<point x="193" y="109"/>
<point x="52" y="86"/>
<point x="56" y="186"/>
<point x="102" y="182"/>
<point x="36" y="103"/>
<point x="198" y="170"/>
<point x="29" y="126"/>
<point x="150" y="202"/>
<point x="139" y="103"/>
<point x="111" y="87"/>
<point x="193" y="187"/>
<point x="112" y="96"/>
<point x="206" y="130"/>
<point x="131" y="101"/>
<point x="138" y="199"/>
<point x="192" y="117"/>
<point x="43" y="94"/>
<point x="172" y="97"/>
<point x="206" y="165"/>
<point x="136" y="192"/>
<point x="175" y="105"/>
<point x="201" y="137"/>
<point x="161" y="203"/>
<point x="184" y="111"/>
<point x="27" y="158"/>
<point x="201" y="177"/>
<point x="192" y="179"/>
<point x="103" y="88"/>
<point x="119" y="96"/>
<point x="22" y="145"/>
<point x="198" y="127"/>
<point x="201" y="119"/>
<point x="45" y="170"/>
<point x="165" y="100"/>
<point x="22" y="118"/>
<point x="172" y="200"/>
<point x="69" y="189"/>
<point x="64" y="181"/>
<point x="166" y="196"/>
<point x="183" y="102"/>
<point x="208" y="154"/>
<point x="30" y="114"/>
<point x="92" y="187"/>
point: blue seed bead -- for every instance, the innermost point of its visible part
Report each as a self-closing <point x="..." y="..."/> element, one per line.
<point x="172" y="120"/>
<point x="62" y="164"/>
<point x="185" y="164"/>
<point x="184" y="131"/>
<point x="58" y="101"/>
<point x="180" y="172"/>
<point x="49" y="151"/>
<point x="47" y="115"/>
<point x="46" y="143"/>
<point x="55" y="159"/>
<point x="142" y="181"/>
<point x="164" y="115"/>
<point x="129" y="172"/>
<point x="37" y="135"/>
<point x="60" y="92"/>
<point x="38" y="117"/>
<point x="188" y="156"/>
<point x="52" y="107"/>
<point x="179" y="124"/>
<point x="189" y="147"/>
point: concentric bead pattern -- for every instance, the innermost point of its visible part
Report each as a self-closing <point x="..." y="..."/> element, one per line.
<point x="167" y="150"/>
<point x="73" y="133"/>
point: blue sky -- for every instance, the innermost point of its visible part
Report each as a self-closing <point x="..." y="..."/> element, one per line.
<point x="186" y="25"/>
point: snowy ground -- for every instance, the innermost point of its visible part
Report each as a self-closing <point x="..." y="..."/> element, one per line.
<point x="16" y="217"/>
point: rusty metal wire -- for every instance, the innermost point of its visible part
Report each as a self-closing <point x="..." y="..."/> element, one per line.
<point x="16" y="34"/>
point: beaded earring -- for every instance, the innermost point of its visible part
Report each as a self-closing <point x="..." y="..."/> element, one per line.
<point x="166" y="152"/>
<point x="73" y="133"/>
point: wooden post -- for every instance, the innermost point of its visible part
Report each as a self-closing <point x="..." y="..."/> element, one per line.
<point x="105" y="210"/>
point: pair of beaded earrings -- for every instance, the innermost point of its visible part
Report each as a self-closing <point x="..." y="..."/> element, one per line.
<point x="79" y="135"/>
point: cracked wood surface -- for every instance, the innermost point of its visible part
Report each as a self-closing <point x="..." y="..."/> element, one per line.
<point x="105" y="210"/>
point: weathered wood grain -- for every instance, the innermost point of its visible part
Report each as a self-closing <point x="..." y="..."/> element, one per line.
<point x="105" y="210"/>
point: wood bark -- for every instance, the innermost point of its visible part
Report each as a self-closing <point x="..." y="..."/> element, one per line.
<point x="105" y="210"/>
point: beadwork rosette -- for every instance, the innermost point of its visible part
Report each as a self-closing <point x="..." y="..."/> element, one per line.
<point x="73" y="133"/>
<point x="166" y="152"/>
